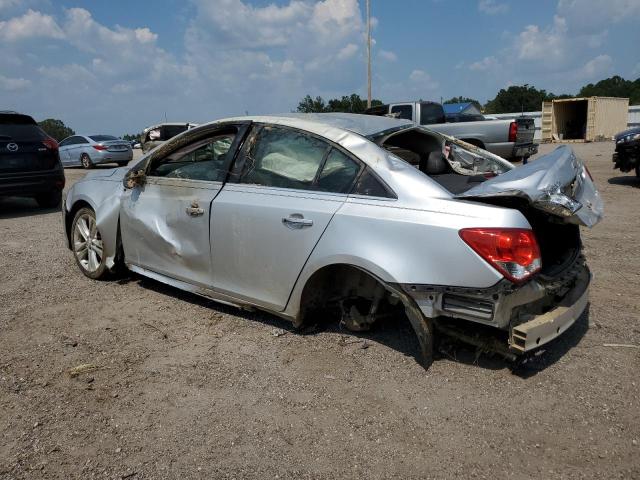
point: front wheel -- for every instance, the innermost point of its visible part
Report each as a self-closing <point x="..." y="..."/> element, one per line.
<point x="86" y="162"/>
<point x="87" y="244"/>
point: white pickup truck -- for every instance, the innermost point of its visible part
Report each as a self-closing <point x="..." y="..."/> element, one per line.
<point x="510" y="139"/>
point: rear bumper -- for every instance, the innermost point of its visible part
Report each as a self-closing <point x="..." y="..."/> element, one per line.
<point x="544" y="328"/>
<point x="510" y="150"/>
<point x="520" y="151"/>
<point x="111" y="157"/>
<point x="31" y="184"/>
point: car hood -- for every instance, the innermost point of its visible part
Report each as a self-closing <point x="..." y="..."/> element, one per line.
<point x="557" y="183"/>
<point x="627" y="132"/>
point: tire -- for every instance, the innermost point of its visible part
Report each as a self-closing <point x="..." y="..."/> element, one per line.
<point x="49" y="199"/>
<point x="87" y="246"/>
<point x="123" y="164"/>
<point x="85" y="161"/>
<point x="638" y="170"/>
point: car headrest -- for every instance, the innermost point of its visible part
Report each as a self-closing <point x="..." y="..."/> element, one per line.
<point x="436" y="164"/>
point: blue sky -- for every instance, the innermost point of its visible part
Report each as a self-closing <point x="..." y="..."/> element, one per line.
<point x="118" y="66"/>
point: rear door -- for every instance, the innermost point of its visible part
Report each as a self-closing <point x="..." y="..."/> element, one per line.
<point x="267" y="220"/>
<point x="165" y="222"/>
<point x="24" y="147"/>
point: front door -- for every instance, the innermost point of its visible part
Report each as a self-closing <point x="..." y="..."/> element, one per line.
<point x="165" y="222"/>
<point x="267" y="222"/>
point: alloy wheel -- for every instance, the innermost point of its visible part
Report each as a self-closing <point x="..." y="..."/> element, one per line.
<point x="87" y="243"/>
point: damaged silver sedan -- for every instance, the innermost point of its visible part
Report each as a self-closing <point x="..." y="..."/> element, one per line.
<point x="352" y="216"/>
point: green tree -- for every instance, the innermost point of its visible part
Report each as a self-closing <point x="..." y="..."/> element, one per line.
<point x="519" y="98"/>
<point x="56" y="128"/>
<point x="348" y="103"/>
<point x="465" y="100"/>
<point x="615" y="86"/>
<point x="132" y="136"/>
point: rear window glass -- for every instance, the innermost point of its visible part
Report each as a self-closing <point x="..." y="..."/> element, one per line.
<point x="21" y="133"/>
<point x="403" y="111"/>
<point x="369" y="185"/>
<point x="102" y="138"/>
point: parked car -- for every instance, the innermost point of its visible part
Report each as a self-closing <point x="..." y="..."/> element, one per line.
<point x="90" y="150"/>
<point x="29" y="161"/>
<point x="158" y="134"/>
<point x="309" y="216"/>
<point x="627" y="155"/>
<point x="510" y="139"/>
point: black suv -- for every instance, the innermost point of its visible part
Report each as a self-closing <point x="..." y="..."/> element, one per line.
<point x="627" y="156"/>
<point x="29" y="161"/>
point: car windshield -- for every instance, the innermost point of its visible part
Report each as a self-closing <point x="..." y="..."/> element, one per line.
<point x="102" y="138"/>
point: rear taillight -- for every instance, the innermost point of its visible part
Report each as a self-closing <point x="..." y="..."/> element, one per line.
<point x="514" y="252"/>
<point x="513" y="131"/>
<point x="99" y="147"/>
<point x="50" y="143"/>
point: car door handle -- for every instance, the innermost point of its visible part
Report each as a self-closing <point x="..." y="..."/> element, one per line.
<point x="297" y="221"/>
<point x="194" y="211"/>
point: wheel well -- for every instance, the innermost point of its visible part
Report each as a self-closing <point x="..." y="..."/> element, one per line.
<point x="329" y="288"/>
<point x="473" y="141"/>
<point x="68" y="217"/>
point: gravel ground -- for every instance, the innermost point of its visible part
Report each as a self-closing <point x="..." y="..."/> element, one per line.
<point x="186" y="388"/>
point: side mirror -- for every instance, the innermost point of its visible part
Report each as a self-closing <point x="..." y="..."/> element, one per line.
<point x="134" y="178"/>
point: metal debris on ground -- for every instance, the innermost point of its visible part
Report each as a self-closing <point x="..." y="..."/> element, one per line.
<point x="83" y="368"/>
<point x="278" y="332"/>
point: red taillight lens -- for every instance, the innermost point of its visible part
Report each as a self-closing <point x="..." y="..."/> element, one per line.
<point x="514" y="252"/>
<point x="99" y="147"/>
<point x="50" y="143"/>
<point x="513" y="131"/>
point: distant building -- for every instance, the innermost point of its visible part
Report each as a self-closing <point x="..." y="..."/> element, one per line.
<point x="466" y="108"/>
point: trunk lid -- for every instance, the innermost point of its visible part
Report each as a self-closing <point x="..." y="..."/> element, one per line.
<point x="558" y="184"/>
<point x="116" y="145"/>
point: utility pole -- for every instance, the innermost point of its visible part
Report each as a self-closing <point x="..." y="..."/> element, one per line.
<point x="368" y="53"/>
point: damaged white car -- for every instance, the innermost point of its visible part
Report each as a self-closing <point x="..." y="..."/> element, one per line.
<point x="353" y="216"/>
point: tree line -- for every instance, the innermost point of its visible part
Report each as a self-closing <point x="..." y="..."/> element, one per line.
<point x="516" y="98"/>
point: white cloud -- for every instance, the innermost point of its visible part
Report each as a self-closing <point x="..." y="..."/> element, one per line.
<point x="387" y="56"/>
<point x="6" y="4"/>
<point x="548" y="44"/>
<point x="347" y="52"/>
<point x="14" y="84"/>
<point x="597" y="67"/>
<point x="423" y="80"/>
<point x="492" y="7"/>
<point x="596" y="15"/>
<point x="30" y="25"/>
<point x="487" y="63"/>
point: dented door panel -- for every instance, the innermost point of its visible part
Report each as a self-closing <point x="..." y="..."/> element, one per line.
<point x="165" y="227"/>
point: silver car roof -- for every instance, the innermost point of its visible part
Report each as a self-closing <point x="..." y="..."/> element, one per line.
<point x="364" y="125"/>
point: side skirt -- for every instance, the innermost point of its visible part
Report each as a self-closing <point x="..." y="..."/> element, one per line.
<point x="199" y="290"/>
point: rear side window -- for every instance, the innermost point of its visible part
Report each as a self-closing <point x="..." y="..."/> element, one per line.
<point x="170" y="131"/>
<point x="431" y="113"/>
<point x="403" y="111"/>
<point x="370" y="186"/>
<point x="21" y="131"/>
<point x="338" y="173"/>
<point x="284" y="158"/>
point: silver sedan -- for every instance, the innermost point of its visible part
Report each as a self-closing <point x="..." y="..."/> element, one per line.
<point x="90" y="150"/>
<point x="349" y="217"/>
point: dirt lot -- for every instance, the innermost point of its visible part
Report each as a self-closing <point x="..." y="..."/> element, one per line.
<point x="186" y="388"/>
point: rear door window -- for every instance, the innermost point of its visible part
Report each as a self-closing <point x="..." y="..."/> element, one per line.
<point x="431" y="113"/>
<point x="285" y="158"/>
